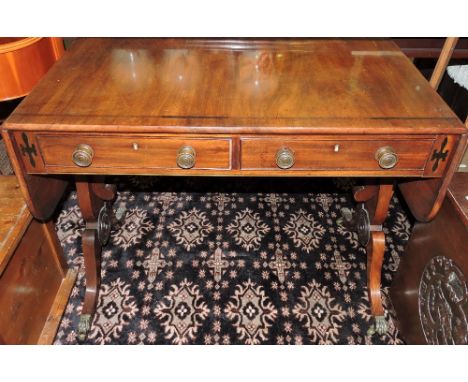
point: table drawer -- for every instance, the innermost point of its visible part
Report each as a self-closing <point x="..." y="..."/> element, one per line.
<point x="134" y="152"/>
<point x="344" y="154"/>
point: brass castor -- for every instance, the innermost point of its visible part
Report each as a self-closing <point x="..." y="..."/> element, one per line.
<point x="380" y="327"/>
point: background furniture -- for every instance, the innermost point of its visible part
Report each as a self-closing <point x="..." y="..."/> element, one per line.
<point x="430" y="47"/>
<point x="446" y="54"/>
<point x="34" y="279"/>
<point x="430" y="291"/>
<point x="24" y="61"/>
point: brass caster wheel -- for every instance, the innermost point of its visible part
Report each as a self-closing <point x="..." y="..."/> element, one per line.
<point x="380" y="327"/>
<point x="83" y="327"/>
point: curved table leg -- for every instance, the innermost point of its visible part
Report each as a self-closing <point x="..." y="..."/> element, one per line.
<point x="375" y="255"/>
<point x="92" y="260"/>
<point x="368" y="221"/>
<point x="92" y="198"/>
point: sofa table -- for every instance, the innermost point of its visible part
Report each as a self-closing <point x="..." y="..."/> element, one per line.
<point x="239" y="107"/>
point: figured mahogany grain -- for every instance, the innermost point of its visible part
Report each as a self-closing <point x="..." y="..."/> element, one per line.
<point x="256" y="86"/>
<point x="259" y="94"/>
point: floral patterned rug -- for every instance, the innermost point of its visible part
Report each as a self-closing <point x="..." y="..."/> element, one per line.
<point x="231" y="261"/>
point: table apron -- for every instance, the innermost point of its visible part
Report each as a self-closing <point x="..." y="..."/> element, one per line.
<point x="233" y="155"/>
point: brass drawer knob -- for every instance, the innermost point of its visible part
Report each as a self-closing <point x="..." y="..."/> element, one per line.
<point x="284" y="158"/>
<point x="186" y="157"/>
<point x="386" y="157"/>
<point x="83" y="155"/>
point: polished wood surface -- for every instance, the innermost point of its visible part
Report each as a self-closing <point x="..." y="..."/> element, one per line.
<point x="235" y="89"/>
<point x="145" y="89"/>
<point x="24" y="61"/>
<point x="33" y="272"/>
<point x="446" y="236"/>
<point x="249" y="86"/>
<point x="117" y="154"/>
<point x="327" y="107"/>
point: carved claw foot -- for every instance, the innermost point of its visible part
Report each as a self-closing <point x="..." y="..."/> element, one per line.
<point x="83" y="327"/>
<point x="380" y="327"/>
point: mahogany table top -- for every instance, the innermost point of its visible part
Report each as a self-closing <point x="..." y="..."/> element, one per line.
<point x="249" y="86"/>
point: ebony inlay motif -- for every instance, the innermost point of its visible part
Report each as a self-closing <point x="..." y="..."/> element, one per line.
<point x="29" y="150"/>
<point x="439" y="155"/>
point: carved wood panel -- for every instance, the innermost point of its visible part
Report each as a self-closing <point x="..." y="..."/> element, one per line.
<point x="443" y="302"/>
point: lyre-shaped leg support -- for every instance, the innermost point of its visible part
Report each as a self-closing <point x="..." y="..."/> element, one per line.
<point x="368" y="221"/>
<point x="94" y="199"/>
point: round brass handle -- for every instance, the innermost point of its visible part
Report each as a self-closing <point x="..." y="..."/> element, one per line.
<point x="186" y="157"/>
<point x="284" y="158"/>
<point x="83" y="155"/>
<point x="386" y="157"/>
